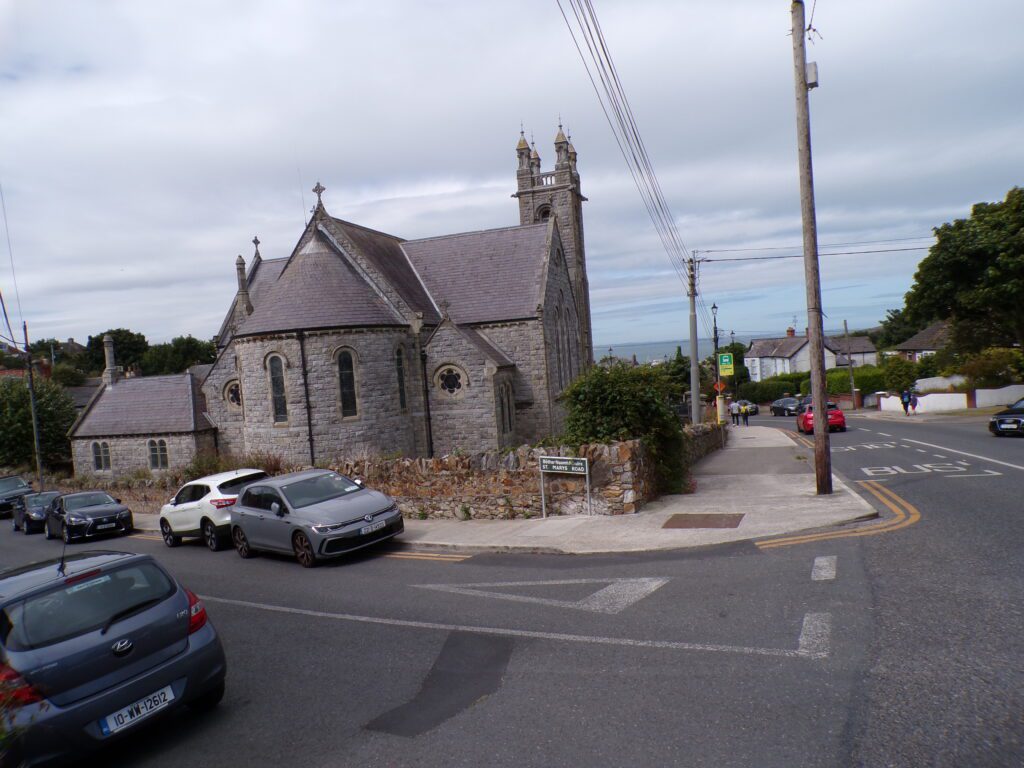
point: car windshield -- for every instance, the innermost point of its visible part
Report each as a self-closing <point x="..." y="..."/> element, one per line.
<point x="40" y="499"/>
<point x="80" y="501"/>
<point x="81" y="605"/>
<point x="1019" y="404"/>
<point x="319" y="488"/>
<point x="11" y="484"/>
<point x="235" y="484"/>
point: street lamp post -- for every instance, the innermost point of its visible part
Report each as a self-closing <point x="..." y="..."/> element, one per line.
<point x="719" y="399"/>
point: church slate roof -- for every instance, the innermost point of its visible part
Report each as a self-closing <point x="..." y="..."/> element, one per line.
<point x="318" y="289"/>
<point x="489" y="350"/>
<point x="385" y="253"/>
<point x="264" y="273"/>
<point x="486" y="276"/>
<point x="147" y="405"/>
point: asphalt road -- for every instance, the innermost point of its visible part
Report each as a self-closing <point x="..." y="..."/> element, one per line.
<point x="899" y="648"/>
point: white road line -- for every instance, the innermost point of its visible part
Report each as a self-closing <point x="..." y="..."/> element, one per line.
<point x="814" y="641"/>
<point x="986" y="473"/>
<point x="816" y="635"/>
<point x="921" y="450"/>
<point x="972" y="455"/>
<point x="616" y="596"/>
<point x="938" y="456"/>
<point x="965" y="463"/>
<point x="862" y="429"/>
<point x="824" y="568"/>
<point x="885" y="434"/>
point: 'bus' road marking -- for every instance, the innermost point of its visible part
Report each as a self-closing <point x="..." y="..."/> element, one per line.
<point x="814" y="641"/>
<point x="824" y="568"/>
<point x="972" y="455"/>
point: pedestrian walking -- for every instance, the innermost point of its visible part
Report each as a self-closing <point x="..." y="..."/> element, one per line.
<point x="745" y="413"/>
<point x="734" y="411"/>
<point x="913" y="404"/>
<point x="905" y="400"/>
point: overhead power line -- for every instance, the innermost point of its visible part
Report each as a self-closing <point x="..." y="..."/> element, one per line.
<point x="820" y="245"/>
<point x="800" y="255"/>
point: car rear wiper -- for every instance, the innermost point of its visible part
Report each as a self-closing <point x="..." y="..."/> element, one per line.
<point x="128" y="611"/>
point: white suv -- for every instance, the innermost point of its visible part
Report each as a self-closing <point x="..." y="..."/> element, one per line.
<point x="203" y="508"/>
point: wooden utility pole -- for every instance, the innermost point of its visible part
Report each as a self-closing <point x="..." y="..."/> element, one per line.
<point x="849" y="364"/>
<point x="32" y="407"/>
<point x="815" y="331"/>
<point x="694" y="360"/>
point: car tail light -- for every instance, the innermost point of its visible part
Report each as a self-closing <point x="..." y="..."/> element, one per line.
<point x="221" y="503"/>
<point x="15" y="691"/>
<point x="196" y="612"/>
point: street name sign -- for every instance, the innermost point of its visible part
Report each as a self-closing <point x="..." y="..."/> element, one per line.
<point x="563" y="465"/>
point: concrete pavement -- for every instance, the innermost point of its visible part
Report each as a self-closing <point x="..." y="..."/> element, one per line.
<point x="762" y="483"/>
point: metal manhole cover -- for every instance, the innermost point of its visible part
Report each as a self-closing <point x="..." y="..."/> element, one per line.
<point x="703" y="521"/>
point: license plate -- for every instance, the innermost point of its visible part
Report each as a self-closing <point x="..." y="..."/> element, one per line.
<point x="1008" y="425"/>
<point x="137" y="711"/>
<point x="101" y="526"/>
<point x="373" y="527"/>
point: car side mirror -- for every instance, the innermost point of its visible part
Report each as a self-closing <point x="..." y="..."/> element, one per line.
<point x="275" y="507"/>
<point x="117" y="500"/>
<point x="174" y="501"/>
<point x="358" y="482"/>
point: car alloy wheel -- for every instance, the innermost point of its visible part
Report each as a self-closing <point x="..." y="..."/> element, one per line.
<point x="25" y="527"/>
<point x="210" y="536"/>
<point x="168" y="535"/>
<point x="241" y="543"/>
<point x="303" y="550"/>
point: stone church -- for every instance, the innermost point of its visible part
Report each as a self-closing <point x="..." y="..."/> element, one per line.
<point x="362" y="343"/>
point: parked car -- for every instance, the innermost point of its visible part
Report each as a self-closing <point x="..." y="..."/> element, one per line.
<point x="30" y="515"/>
<point x="752" y="408"/>
<point x="203" y="508"/>
<point x="1009" y="421"/>
<point x="785" y="406"/>
<point x="805" y="419"/>
<point x="86" y="514"/>
<point x="95" y="643"/>
<point x="312" y="514"/>
<point x="12" y="489"/>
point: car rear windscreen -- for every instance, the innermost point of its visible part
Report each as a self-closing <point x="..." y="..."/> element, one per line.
<point x="235" y="484"/>
<point x="84" y="605"/>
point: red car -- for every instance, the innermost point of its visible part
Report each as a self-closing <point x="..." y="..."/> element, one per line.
<point x="805" y="419"/>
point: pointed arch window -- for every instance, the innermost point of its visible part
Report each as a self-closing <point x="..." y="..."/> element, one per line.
<point x="100" y="457"/>
<point x="347" y="383"/>
<point x="558" y="347"/>
<point x="157" y="454"/>
<point x="279" y="400"/>
<point x="400" y="374"/>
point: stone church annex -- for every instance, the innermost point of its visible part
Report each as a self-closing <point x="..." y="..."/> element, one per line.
<point x="361" y="343"/>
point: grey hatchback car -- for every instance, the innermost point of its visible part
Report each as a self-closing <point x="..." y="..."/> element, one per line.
<point x="95" y="643"/>
<point x="312" y="514"/>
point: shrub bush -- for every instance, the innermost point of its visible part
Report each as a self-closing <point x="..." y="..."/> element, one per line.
<point x="993" y="367"/>
<point x="622" y="402"/>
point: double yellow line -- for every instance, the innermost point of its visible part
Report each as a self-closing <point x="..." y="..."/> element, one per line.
<point x="905" y="515"/>
<point x="437" y="557"/>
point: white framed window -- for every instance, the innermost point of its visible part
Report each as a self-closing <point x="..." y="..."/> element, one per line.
<point x="101" y="457"/>
<point x="157" y="454"/>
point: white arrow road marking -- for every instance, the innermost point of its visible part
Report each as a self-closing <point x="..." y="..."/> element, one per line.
<point x="972" y="455"/>
<point x="824" y="568"/>
<point x="814" y="642"/>
<point x="617" y="595"/>
<point x="984" y="473"/>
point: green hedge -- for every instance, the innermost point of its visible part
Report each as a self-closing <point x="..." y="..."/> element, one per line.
<point x="866" y="378"/>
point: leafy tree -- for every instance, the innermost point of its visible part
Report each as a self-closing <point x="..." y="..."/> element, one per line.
<point x="974" y="276"/>
<point x="129" y="347"/>
<point x="899" y="374"/>
<point x="895" y="329"/>
<point x="678" y="371"/>
<point x="67" y="375"/>
<point x="994" y="367"/>
<point x="623" y="402"/>
<point x="177" y="356"/>
<point x="56" y="414"/>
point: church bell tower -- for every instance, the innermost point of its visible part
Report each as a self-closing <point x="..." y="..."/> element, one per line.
<point x="558" y="192"/>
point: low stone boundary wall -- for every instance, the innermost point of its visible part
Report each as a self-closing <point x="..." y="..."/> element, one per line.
<point x="493" y="485"/>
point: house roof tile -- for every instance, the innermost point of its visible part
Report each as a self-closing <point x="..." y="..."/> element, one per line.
<point x="935" y="336"/>
<point x="147" y="405"/>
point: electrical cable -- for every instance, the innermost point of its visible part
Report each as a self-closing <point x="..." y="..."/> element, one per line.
<point x="834" y="253"/>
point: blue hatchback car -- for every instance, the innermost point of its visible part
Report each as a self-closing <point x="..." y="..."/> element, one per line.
<point x="96" y="643"/>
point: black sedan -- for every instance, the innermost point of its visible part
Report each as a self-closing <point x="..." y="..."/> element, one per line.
<point x="12" y="489"/>
<point x="785" y="406"/>
<point x="85" y="515"/>
<point x="1009" y="421"/>
<point x="30" y="517"/>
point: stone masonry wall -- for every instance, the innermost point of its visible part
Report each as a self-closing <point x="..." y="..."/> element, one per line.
<point x="130" y="454"/>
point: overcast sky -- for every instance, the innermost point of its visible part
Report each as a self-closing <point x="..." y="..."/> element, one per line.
<point x="143" y="144"/>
